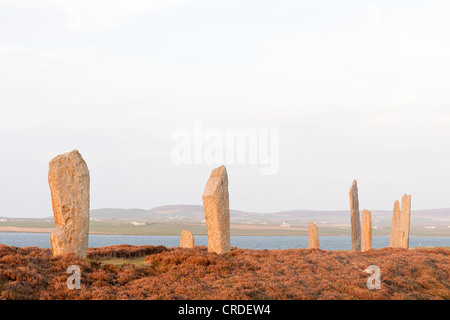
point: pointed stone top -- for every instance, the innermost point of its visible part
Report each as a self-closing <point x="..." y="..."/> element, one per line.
<point x="73" y="152"/>
<point x="68" y="155"/>
<point x="72" y="162"/>
<point x="354" y="191"/>
<point x="406" y="198"/>
<point x="312" y="224"/>
<point x="218" y="178"/>
<point x="219" y="172"/>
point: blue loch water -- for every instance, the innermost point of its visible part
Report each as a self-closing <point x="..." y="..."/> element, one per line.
<point x="42" y="240"/>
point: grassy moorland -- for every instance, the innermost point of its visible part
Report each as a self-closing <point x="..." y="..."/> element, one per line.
<point x="149" y="272"/>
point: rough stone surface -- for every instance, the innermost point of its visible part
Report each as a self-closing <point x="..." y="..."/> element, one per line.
<point x="313" y="236"/>
<point x="217" y="211"/>
<point x="186" y="239"/>
<point x="355" y="220"/>
<point x="68" y="178"/>
<point x="393" y="240"/>
<point x="404" y="222"/>
<point x="366" y="243"/>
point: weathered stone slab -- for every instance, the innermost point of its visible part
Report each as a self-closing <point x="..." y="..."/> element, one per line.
<point x="186" y="239"/>
<point x="404" y="222"/>
<point x="313" y="236"/>
<point x="393" y="240"/>
<point x="217" y="211"/>
<point x="366" y="244"/>
<point x="68" y="178"/>
<point x="355" y="219"/>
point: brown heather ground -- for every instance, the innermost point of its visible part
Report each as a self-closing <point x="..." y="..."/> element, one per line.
<point x="175" y="273"/>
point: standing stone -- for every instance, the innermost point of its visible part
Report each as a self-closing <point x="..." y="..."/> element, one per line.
<point x="217" y="211"/>
<point x="186" y="239"/>
<point x="404" y="222"/>
<point x="355" y="220"/>
<point x="366" y="231"/>
<point x="313" y="236"/>
<point x="68" y="178"/>
<point x="393" y="240"/>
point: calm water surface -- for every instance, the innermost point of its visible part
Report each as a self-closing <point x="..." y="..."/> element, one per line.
<point x="42" y="240"/>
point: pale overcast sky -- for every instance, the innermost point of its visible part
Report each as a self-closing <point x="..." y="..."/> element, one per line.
<point x="357" y="89"/>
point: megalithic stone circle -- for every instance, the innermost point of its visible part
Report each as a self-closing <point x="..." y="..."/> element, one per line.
<point x="355" y="219"/>
<point x="366" y="243"/>
<point x="217" y="211"/>
<point x="69" y="180"/>
<point x="393" y="240"/>
<point x="186" y="239"/>
<point x="404" y="223"/>
<point x="313" y="235"/>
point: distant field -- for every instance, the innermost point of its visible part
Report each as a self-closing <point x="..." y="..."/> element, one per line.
<point x="174" y="228"/>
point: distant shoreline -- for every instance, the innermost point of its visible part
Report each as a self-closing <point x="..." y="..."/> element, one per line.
<point x="49" y="230"/>
<point x="33" y="230"/>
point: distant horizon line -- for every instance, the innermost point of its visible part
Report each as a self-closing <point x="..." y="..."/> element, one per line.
<point x="200" y="205"/>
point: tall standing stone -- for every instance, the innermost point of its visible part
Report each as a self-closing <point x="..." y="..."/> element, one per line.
<point x="404" y="222"/>
<point x="393" y="240"/>
<point x="355" y="220"/>
<point x="217" y="211"/>
<point x="366" y="244"/>
<point x="313" y="236"/>
<point x="186" y="239"/>
<point x="68" y="178"/>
